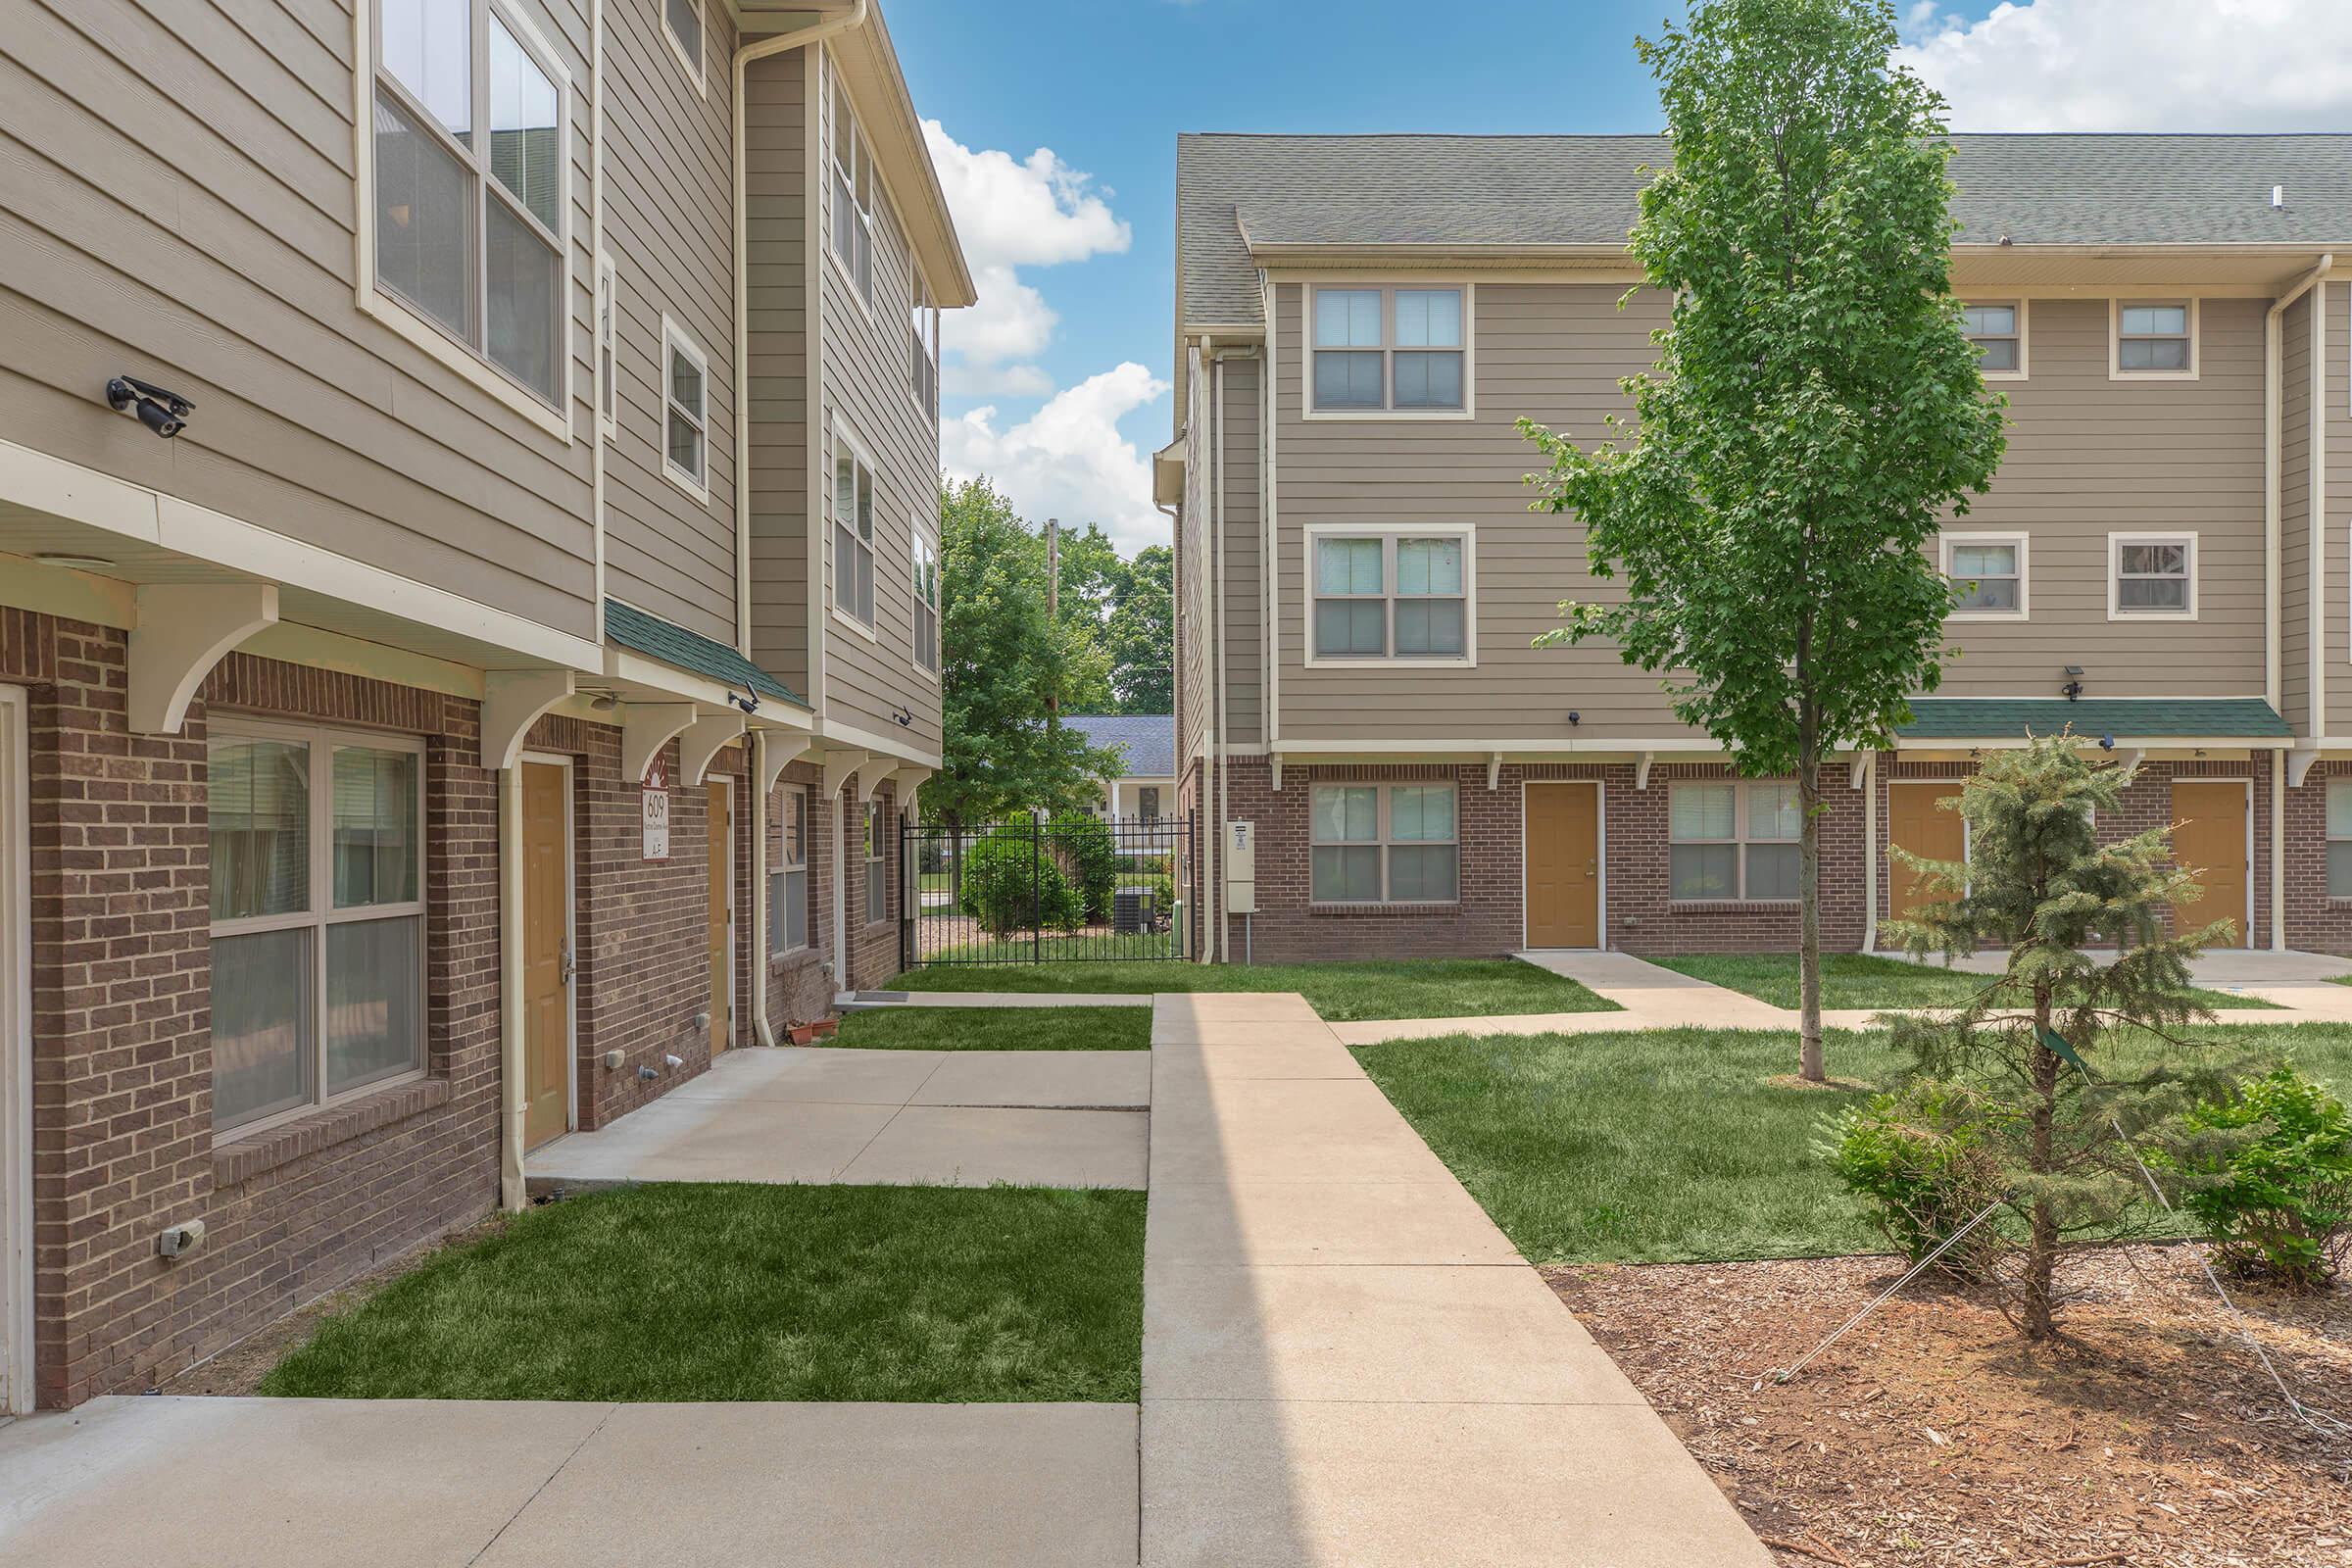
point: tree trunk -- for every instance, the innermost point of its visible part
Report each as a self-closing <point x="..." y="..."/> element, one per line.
<point x="1808" y="855"/>
<point x="2041" y="1245"/>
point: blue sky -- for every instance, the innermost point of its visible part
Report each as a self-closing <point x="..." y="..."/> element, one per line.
<point x="1074" y="244"/>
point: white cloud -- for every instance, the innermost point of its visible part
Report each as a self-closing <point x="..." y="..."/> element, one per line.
<point x="1035" y="212"/>
<point x="994" y="380"/>
<point x="2140" y="65"/>
<point x="1068" y="460"/>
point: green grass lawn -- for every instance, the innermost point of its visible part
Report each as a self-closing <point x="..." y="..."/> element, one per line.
<point x="1413" y="988"/>
<point x="1672" y="1145"/>
<point x="1862" y="980"/>
<point x="729" y="1291"/>
<point x="997" y="1029"/>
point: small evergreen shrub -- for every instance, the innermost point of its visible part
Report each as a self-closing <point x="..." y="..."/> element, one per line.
<point x="1004" y="875"/>
<point x="1916" y="1159"/>
<point x="1081" y="846"/>
<point x="2268" y="1173"/>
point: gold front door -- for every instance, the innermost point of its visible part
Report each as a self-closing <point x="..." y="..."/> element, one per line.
<point x="2210" y="835"/>
<point x="1563" y="865"/>
<point x="1916" y="821"/>
<point x="545" y="954"/>
<point x="722" y="915"/>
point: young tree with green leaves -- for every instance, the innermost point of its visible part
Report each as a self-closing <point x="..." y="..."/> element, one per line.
<point x="2026" y="1066"/>
<point x="1141" y="634"/>
<point x="1813" y="412"/>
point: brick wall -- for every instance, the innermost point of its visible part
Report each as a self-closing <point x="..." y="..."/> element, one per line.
<point x="2315" y="923"/>
<point x="799" y="990"/>
<point x="874" y="944"/>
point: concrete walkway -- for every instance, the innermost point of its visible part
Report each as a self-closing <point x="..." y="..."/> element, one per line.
<point x="190" y="1483"/>
<point x="1344" y="1362"/>
<point x="965" y="1118"/>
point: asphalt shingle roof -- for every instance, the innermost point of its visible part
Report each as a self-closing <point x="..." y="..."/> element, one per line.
<point x="1148" y="740"/>
<point x="2037" y="190"/>
<point x="2128" y="720"/>
<point x="673" y="644"/>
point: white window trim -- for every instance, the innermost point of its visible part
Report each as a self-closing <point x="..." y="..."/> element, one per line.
<point x="321" y="912"/>
<point x="1383" y="789"/>
<point x="857" y="450"/>
<point x="2025" y="579"/>
<point x="1389" y="533"/>
<point x="2114" y="582"/>
<point x="2115" y="341"/>
<point x="922" y="301"/>
<point x="386" y="307"/>
<point x="676" y="339"/>
<point x="789" y="793"/>
<point x="608" y="343"/>
<point x="697" y="70"/>
<point x="2024" y="339"/>
<point x="1306" y="348"/>
<point x="1739" y="841"/>
<point x="875" y="835"/>
<point x="872" y="218"/>
<point x="920" y="545"/>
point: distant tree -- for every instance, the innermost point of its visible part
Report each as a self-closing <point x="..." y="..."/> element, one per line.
<point x="1004" y="663"/>
<point x="1813" y="412"/>
<point x="1141" y="634"/>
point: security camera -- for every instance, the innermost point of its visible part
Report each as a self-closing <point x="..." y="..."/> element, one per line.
<point x="164" y="412"/>
<point x="749" y="702"/>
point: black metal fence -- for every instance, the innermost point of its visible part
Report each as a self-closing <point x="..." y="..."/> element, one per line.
<point x="1082" y="889"/>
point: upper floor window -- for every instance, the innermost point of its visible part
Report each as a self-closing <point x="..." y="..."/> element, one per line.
<point x="1382" y="844"/>
<point x="682" y="21"/>
<point x="470" y="180"/>
<point x="2152" y="575"/>
<point x="853" y="497"/>
<point x="686" y="415"/>
<point x="2155" y="339"/>
<point x="1731" y="840"/>
<point x="853" y="195"/>
<point x="1998" y="332"/>
<point x="608" y="341"/>
<point x="1390" y="350"/>
<point x="923" y="330"/>
<point x="1402" y="596"/>
<point x="1987" y="573"/>
<point x="926" y="605"/>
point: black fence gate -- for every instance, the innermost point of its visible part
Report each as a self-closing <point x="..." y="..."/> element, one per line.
<point x="1088" y="889"/>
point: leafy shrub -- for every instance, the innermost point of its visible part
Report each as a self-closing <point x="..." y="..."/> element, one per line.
<point x="1080" y="844"/>
<point x="1003" y="874"/>
<point x="2268" y="1172"/>
<point x="1916" y="1159"/>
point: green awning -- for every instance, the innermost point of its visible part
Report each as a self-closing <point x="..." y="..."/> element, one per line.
<point x="2132" y="720"/>
<point x="673" y="643"/>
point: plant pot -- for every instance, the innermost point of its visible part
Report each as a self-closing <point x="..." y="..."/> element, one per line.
<point x="801" y="1034"/>
<point x="827" y="1028"/>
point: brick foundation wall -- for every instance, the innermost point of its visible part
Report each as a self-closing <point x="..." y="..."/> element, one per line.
<point x="874" y="944"/>
<point x="799" y="990"/>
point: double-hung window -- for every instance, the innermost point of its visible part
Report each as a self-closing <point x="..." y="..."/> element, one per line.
<point x="926" y="605"/>
<point x="2152" y="575"/>
<point x="2339" y="838"/>
<point x="468" y="130"/>
<point x="788" y="884"/>
<point x="852" y="502"/>
<point x="877" y="863"/>
<point x="1384" y="843"/>
<point x="1998" y="332"/>
<point x="1988" y="572"/>
<point x="1733" y="840"/>
<point x="686" y="410"/>
<point x="607" y="344"/>
<point x="1390" y="350"/>
<point x="2155" y="339"/>
<point x="853" y="195"/>
<point x="923" y="331"/>
<point x="317" y="916"/>
<point x="682" y="20"/>
<point x="1147" y="803"/>
<point x="1403" y="596"/>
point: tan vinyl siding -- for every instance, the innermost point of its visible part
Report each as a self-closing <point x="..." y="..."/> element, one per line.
<point x="776" y="110"/>
<point x="869" y="382"/>
<point x="2294" y="513"/>
<point x="1194" y="637"/>
<point x="2089" y="456"/>
<point x="2337" y="550"/>
<point x="669" y="227"/>
<point x="1244" y="611"/>
<point x="221" y="264"/>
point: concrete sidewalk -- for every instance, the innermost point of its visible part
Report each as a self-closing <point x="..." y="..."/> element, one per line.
<point x="790" y="1114"/>
<point x="191" y="1483"/>
<point x="1344" y="1362"/>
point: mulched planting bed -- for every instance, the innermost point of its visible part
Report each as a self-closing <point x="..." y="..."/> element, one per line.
<point x="1932" y="1434"/>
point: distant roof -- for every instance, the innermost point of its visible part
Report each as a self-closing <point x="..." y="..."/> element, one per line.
<point x="673" y="644"/>
<point x="1148" y="740"/>
<point x="2125" y="719"/>
<point x="1236" y="191"/>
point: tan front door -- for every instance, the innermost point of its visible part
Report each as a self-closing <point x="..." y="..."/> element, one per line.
<point x="545" y="954"/>
<point x="722" y="915"/>
<point x="1563" y="865"/>
<point x="1916" y="821"/>
<point x="2211" y="834"/>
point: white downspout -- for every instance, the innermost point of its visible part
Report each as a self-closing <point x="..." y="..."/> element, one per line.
<point x="2274" y="575"/>
<point x="1216" y="579"/>
<point x="512" y="1103"/>
<point x="1869" y="852"/>
<point x="762" y="1029"/>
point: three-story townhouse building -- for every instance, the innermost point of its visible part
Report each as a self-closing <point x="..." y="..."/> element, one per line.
<point x="468" y="612"/>
<point x="2160" y="563"/>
